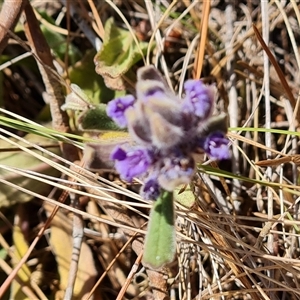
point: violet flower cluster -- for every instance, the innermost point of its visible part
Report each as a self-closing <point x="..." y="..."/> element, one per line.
<point x="166" y="131"/>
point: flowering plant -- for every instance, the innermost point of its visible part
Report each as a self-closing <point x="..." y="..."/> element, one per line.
<point x="167" y="131"/>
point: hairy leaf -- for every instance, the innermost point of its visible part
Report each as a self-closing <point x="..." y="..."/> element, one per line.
<point x="160" y="242"/>
<point x="97" y="119"/>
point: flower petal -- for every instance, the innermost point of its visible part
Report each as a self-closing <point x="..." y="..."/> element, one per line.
<point x="216" y="146"/>
<point x="132" y="163"/>
<point x="199" y="99"/>
<point x="151" y="189"/>
<point x="116" y="109"/>
<point x="118" y="154"/>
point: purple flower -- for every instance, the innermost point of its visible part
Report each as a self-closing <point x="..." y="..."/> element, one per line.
<point x="199" y="99"/>
<point x="151" y="188"/>
<point x="117" y="107"/>
<point x="216" y="145"/>
<point x="166" y="132"/>
<point x="132" y="163"/>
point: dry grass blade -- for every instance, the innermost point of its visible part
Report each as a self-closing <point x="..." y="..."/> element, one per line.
<point x="278" y="69"/>
<point x="238" y="238"/>
<point x="203" y="33"/>
<point x="100" y="26"/>
<point x="231" y="259"/>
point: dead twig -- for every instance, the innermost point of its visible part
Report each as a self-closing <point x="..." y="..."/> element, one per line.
<point x="9" y="16"/>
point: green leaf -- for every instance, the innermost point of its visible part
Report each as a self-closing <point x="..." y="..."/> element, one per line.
<point x="97" y="119"/>
<point x="118" y="54"/>
<point x="58" y="42"/>
<point x="83" y="74"/>
<point x="3" y="253"/>
<point x="184" y="195"/>
<point x="160" y="242"/>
